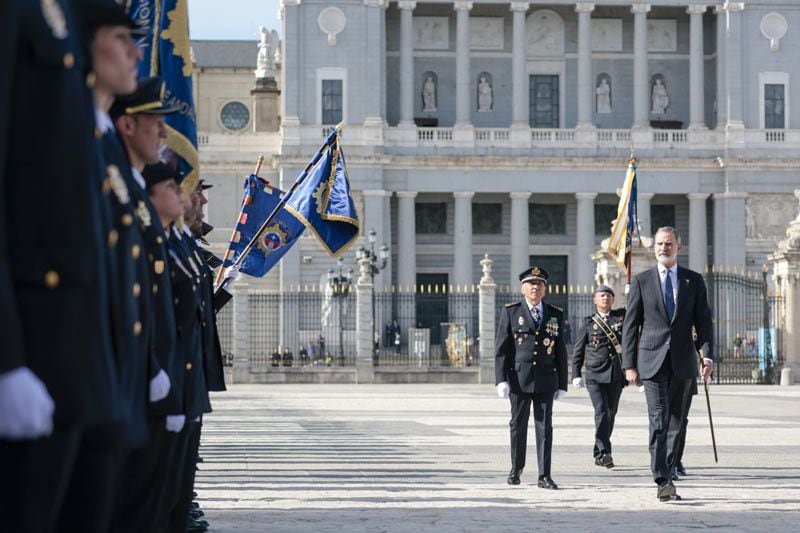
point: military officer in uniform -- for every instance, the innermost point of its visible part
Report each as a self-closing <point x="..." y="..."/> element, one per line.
<point x="531" y="368"/>
<point x="599" y="345"/>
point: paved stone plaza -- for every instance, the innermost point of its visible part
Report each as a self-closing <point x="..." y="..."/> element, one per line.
<point x="434" y="458"/>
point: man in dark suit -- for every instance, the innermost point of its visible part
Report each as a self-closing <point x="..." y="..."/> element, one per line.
<point x="599" y="345"/>
<point x="659" y="350"/>
<point x="531" y="367"/>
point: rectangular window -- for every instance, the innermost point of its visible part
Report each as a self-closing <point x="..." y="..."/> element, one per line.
<point x="543" y="101"/>
<point x="774" y="108"/>
<point x="431" y="218"/>
<point x="660" y="216"/>
<point x="331" y="102"/>
<point x="547" y="219"/>
<point x="604" y="216"/>
<point x="487" y="219"/>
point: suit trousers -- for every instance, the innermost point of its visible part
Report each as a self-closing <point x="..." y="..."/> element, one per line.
<point x="676" y="459"/>
<point x="543" y="425"/>
<point x="36" y="474"/>
<point x="605" y="400"/>
<point x="666" y="397"/>
<point x="180" y="512"/>
<point x="142" y="485"/>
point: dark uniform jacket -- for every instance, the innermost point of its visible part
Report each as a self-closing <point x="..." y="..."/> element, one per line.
<point x="54" y="297"/>
<point x="186" y="292"/>
<point x="163" y="331"/>
<point x="130" y="281"/>
<point x="594" y="348"/>
<point x="531" y="360"/>
<point x="658" y="337"/>
<point x="212" y="350"/>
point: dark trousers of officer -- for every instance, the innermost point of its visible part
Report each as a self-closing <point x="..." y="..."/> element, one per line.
<point x="543" y="424"/>
<point x="35" y="477"/>
<point x="89" y="501"/>
<point x="666" y="397"/>
<point x="180" y="512"/>
<point x="142" y="485"/>
<point x="605" y="399"/>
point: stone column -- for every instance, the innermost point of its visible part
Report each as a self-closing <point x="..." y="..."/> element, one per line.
<point x="487" y="291"/>
<point x="733" y="67"/>
<point x="697" y="105"/>
<point x="584" y="266"/>
<point x="698" y="239"/>
<point x="406" y="240"/>
<point x="520" y="239"/>
<point x="291" y="71"/>
<point x="374" y="203"/>
<point x="375" y="47"/>
<point x="406" y="63"/>
<point x="730" y="225"/>
<point x="641" y="86"/>
<point x="643" y="207"/>
<point x="241" y="332"/>
<point x="585" y="85"/>
<point x="519" y="102"/>
<point x="722" y="99"/>
<point x="462" y="239"/>
<point x="365" y="370"/>
<point x="463" y="85"/>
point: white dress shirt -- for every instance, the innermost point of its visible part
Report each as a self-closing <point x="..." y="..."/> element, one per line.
<point x="538" y="308"/>
<point x="673" y="273"/>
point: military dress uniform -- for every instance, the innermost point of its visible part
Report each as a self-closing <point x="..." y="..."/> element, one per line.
<point x="532" y="358"/>
<point x="54" y="296"/>
<point x="603" y="375"/>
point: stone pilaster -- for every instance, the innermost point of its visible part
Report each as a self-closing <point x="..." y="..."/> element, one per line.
<point x="519" y="102"/>
<point x="585" y="85"/>
<point x="697" y="105"/>
<point x="241" y="332"/>
<point x="520" y="238"/>
<point x="698" y="237"/>
<point x="487" y="292"/>
<point x="462" y="239"/>
<point x="406" y="63"/>
<point x="584" y="246"/>
<point x="641" y="85"/>
<point x="365" y="370"/>
<point x="463" y="85"/>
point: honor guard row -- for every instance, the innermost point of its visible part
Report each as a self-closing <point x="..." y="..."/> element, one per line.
<point x="109" y="330"/>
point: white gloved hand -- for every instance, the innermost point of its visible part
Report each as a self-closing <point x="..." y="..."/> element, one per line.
<point x="577" y="383"/>
<point x="175" y="423"/>
<point x="627" y="289"/>
<point x="641" y="388"/>
<point x="559" y="394"/>
<point x="231" y="272"/>
<point x="26" y="408"/>
<point x="503" y="389"/>
<point x="159" y="387"/>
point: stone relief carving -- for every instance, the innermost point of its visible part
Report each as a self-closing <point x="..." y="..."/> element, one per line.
<point x="603" y="94"/>
<point x="773" y="26"/>
<point x="607" y="35"/>
<point x="331" y="21"/>
<point x="486" y="33"/>
<point x="485" y="96"/>
<point x="431" y="33"/>
<point x="662" y="35"/>
<point x="769" y="214"/>
<point x="545" y="33"/>
<point x="659" y="96"/>
<point x="429" y="92"/>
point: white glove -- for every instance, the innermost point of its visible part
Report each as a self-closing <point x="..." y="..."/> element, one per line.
<point x="175" y="423"/>
<point x="577" y="383"/>
<point x="559" y="394"/>
<point x="231" y="272"/>
<point x="627" y="288"/>
<point x="26" y="408"/>
<point x="503" y="389"/>
<point x="159" y="386"/>
<point x="641" y="388"/>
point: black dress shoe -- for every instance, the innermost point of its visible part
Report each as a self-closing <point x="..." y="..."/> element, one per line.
<point x="680" y="470"/>
<point x="607" y="461"/>
<point x="547" y="482"/>
<point x="196" y="513"/>
<point x="195" y="505"/>
<point x="666" y="492"/>
<point x="513" y="477"/>
<point x="598" y="460"/>
<point x="196" y="528"/>
<point x="674" y="476"/>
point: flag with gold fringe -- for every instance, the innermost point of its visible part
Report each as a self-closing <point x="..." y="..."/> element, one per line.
<point x="627" y="219"/>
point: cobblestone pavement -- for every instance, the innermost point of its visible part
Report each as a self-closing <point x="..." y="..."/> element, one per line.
<point x="373" y="458"/>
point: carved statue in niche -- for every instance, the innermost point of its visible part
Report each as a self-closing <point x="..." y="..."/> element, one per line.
<point x="603" y="92"/>
<point x="429" y="94"/>
<point x="484" y="95"/>
<point x="660" y="98"/>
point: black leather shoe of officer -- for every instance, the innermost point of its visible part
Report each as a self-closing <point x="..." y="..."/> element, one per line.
<point x="196" y="513"/>
<point x="666" y="492"/>
<point x="513" y="477"/>
<point x="598" y="460"/>
<point x="546" y="482"/>
<point x="680" y="470"/>
<point x="195" y="528"/>
<point x="674" y="476"/>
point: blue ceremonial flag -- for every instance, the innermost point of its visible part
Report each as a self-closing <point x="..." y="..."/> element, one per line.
<point x="323" y="201"/>
<point x="166" y="52"/>
<point x="260" y="199"/>
<point x="627" y="218"/>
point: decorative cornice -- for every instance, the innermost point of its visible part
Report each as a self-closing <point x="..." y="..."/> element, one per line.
<point x="640" y="8"/>
<point x="520" y="6"/>
<point x="462" y="5"/>
<point x="584" y="7"/>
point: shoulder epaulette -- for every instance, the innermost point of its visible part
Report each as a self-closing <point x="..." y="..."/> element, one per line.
<point x="512" y="304"/>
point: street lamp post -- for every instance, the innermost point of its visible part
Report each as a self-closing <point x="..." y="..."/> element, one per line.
<point x="377" y="262"/>
<point x="340" y="288"/>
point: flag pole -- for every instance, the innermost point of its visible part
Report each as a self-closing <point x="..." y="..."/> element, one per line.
<point x="233" y="234"/>
<point x="247" y="249"/>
